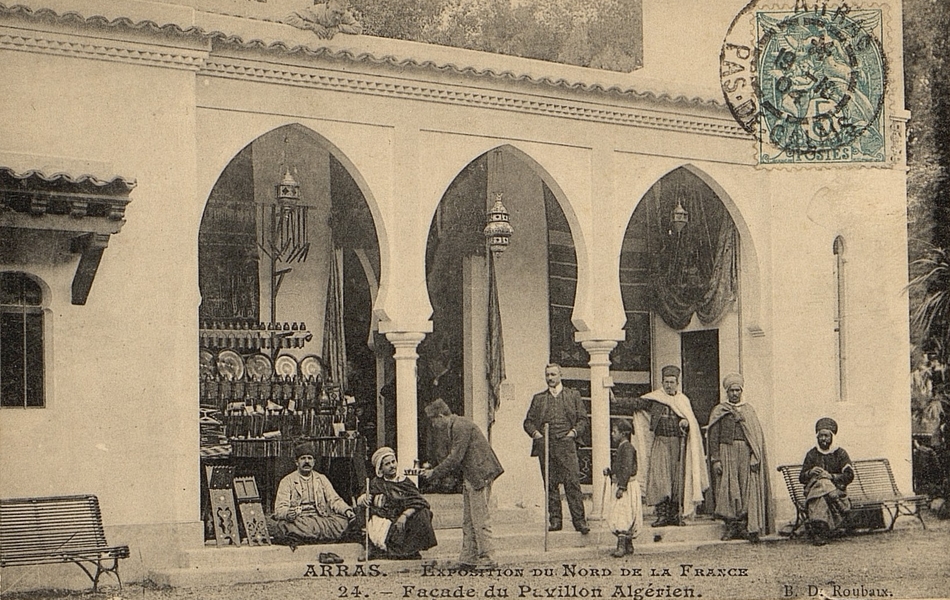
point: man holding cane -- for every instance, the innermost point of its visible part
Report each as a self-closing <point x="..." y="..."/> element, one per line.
<point x="562" y="410"/>
<point x="676" y="475"/>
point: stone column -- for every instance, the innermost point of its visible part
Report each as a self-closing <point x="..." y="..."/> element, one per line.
<point x="407" y="412"/>
<point x="600" y="384"/>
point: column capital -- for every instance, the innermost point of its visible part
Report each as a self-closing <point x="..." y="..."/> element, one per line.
<point x="617" y="335"/>
<point x="405" y="343"/>
<point x="599" y="351"/>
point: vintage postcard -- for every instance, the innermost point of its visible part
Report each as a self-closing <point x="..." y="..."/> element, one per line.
<point x="473" y="299"/>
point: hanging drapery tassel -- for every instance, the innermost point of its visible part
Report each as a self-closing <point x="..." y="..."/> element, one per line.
<point x="497" y="234"/>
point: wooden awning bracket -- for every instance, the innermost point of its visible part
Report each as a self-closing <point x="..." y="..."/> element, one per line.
<point x="90" y="247"/>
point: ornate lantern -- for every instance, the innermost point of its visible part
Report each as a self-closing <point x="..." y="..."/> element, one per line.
<point x="679" y="218"/>
<point x="498" y="229"/>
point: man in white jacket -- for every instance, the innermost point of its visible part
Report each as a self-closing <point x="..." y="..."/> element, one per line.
<point x="307" y="509"/>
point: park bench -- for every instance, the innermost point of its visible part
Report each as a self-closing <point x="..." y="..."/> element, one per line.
<point x="59" y="529"/>
<point x="873" y="488"/>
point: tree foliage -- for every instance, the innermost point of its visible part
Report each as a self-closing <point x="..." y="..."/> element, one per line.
<point x="604" y="34"/>
<point x="927" y="96"/>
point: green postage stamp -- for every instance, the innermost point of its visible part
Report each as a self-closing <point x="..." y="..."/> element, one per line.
<point x="818" y="85"/>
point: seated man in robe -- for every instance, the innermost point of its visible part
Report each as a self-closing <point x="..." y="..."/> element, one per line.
<point x="400" y="522"/>
<point x="307" y="509"/>
<point x="325" y="19"/>
<point x="826" y="473"/>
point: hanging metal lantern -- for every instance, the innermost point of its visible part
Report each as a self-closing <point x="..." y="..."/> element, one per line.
<point x="290" y="222"/>
<point x="288" y="190"/>
<point x="498" y="229"/>
<point x="679" y="218"/>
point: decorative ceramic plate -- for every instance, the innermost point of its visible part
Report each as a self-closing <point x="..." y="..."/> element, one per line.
<point x="311" y="367"/>
<point x="205" y="364"/>
<point x="230" y="365"/>
<point x="285" y="365"/>
<point x="259" y="367"/>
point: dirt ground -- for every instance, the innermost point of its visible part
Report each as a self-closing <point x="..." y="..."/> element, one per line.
<point x="906" y="563"/>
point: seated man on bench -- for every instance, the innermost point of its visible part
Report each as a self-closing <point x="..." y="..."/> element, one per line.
<point x="400" y="522"/>
<point x="826" y="473"/>
<point x="307" y="509"/>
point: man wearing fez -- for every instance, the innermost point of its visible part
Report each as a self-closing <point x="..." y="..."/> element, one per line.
<point x="740" y="465"/>
<point x="563" y="411"/>
<point x="307" y="509"/>
<point x="472" y="455"/>
<point x="677" y="476"/>
<point x="325" y="19"/>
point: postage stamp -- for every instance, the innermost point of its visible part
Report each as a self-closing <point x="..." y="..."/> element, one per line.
<point x="812" y="85"/>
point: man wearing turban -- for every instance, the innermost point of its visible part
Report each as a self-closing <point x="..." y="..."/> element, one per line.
<point x="826" y="473"/>
<point x="307" y="509"/>
<point x="740" y="466"/>
<point x="400" y="523"/>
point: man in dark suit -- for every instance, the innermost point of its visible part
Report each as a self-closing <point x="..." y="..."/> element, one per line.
<point x="563" y="411"/>
<point x="471" y="454"/>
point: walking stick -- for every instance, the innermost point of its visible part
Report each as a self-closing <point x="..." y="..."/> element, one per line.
<point x="603" y="498"/>
<point x="682" y="491"/>
<point x="547" y="482"/>
<point x="366" y="525"/>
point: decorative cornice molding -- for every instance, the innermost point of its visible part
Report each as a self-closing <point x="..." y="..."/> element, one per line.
<point x="45" y="42"/>
<point x="232" y="68"/>
<point x="662" y="111"/>
<point x="606" y="105"/>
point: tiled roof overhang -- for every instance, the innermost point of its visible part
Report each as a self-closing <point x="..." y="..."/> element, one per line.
<point x="447" y="62"/>
<point x="86" y="208"/>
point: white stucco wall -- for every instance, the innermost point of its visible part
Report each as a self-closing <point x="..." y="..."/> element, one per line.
<point x="120" y="419"/>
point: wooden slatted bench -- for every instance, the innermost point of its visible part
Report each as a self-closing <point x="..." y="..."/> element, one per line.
<point x="57" y="529"/>
<point x="874" y="487"/>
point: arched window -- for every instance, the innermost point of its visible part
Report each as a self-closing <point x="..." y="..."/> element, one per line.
<point x="840" y="298"/>
<point x="21" y="341"/>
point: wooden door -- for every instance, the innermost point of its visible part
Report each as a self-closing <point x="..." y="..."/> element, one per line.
<point x="700" y="352"/>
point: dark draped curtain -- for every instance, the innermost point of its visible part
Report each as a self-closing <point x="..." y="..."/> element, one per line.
<point x="696" y="270"/>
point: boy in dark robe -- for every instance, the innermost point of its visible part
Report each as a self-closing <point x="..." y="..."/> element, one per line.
<point x="622" y="509"/>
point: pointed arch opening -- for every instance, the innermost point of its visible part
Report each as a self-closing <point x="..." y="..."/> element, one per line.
<point x="490" y="308"/>
<point x="289" y="265"/>
<point x="679" y="273"/>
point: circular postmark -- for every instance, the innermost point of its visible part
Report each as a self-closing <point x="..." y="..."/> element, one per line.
<point x="813" y="80"/>
<point x="737" y="69"/>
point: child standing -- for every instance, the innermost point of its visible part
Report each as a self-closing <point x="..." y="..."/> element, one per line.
<point x="622" y="509"/>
